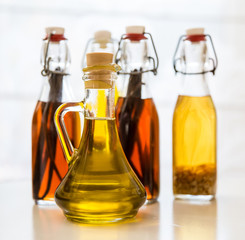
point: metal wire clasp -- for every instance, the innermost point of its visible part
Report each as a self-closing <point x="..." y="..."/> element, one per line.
<point x="214" y="61"/>
<point x="46" y="71"/>
<point x="155" y="63"/>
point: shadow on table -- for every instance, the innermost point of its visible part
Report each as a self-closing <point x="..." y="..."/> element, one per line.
<point x="50" y="223"/>
<point x="194" y="220"/>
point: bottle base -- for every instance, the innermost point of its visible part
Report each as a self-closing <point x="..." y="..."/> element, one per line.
<point x="45" y="202"/>
<point x="194" y="197"/>
<point x="99" y="219"/>
<point x="150" y="201"/>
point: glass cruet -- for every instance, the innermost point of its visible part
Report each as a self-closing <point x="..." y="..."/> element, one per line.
<point x="136" y="113"/>
<point x="100" y="186"/>
<point x="194" y="120"/>
<point x="48" y="162"/>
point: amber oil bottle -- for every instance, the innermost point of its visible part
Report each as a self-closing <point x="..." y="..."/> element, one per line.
<point x="194" y="122"/>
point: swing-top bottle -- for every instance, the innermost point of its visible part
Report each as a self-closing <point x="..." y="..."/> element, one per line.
<point x="48" y="162"/>
<point x="136" y="113"/>
<point x="194" y="120"/>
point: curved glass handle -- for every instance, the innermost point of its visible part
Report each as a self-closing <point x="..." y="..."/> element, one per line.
<point x="65" y="141"/>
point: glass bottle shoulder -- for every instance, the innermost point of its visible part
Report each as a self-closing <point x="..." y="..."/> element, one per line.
<point x="190" y="104"/>
<point x="56" y="89"/>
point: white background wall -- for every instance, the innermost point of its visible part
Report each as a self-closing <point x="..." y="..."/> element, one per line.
<point x="22" y="24"/>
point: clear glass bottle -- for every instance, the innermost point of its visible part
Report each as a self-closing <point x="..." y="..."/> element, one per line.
<point x="100" y="186"/>
<point x="194" y="122"/>
<point x="48" y="162"/>
<point x="101" y="42"/>
<point x="136" y="113"/>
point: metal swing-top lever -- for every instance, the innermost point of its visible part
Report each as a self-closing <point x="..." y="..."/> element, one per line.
<point x="55" y="34"/>
<point x="137" y="33"/>
<point x="195" y="35"/>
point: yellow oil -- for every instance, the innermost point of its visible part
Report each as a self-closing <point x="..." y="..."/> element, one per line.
<point x="116" y="95"/>
<point x="100" y="186"/>
<point x="194" y="146"/>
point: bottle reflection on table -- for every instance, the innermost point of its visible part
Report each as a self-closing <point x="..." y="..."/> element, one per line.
<point x="194" y="220"/>
<point x="49" y="223"/>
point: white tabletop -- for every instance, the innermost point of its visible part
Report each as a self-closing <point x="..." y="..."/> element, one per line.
<point x="167" y="219"/>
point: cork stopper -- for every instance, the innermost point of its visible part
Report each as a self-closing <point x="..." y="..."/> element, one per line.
<point x="195" y="31"/>
<point x="102" y="79"/>
<point x="55" y="30"/>
<point x="99" y="58"/>
<point x="135" y="29"/>
<point x="102" y="36"/>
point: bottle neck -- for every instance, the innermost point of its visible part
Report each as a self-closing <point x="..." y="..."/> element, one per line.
<point x="100" y="94"/>
<point x="136" y="86"/>
<point x="55" y="56"/>
<point x="134" y="56"/>
<point x="194" y="57"/>
<point x="55" y="60"/>
<point x="134" y="60"/>
<point x="102" y="46"/>
<point x="56" y="88"/>
<point x="194" y="85"/>
<point x="98" y="46"/>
